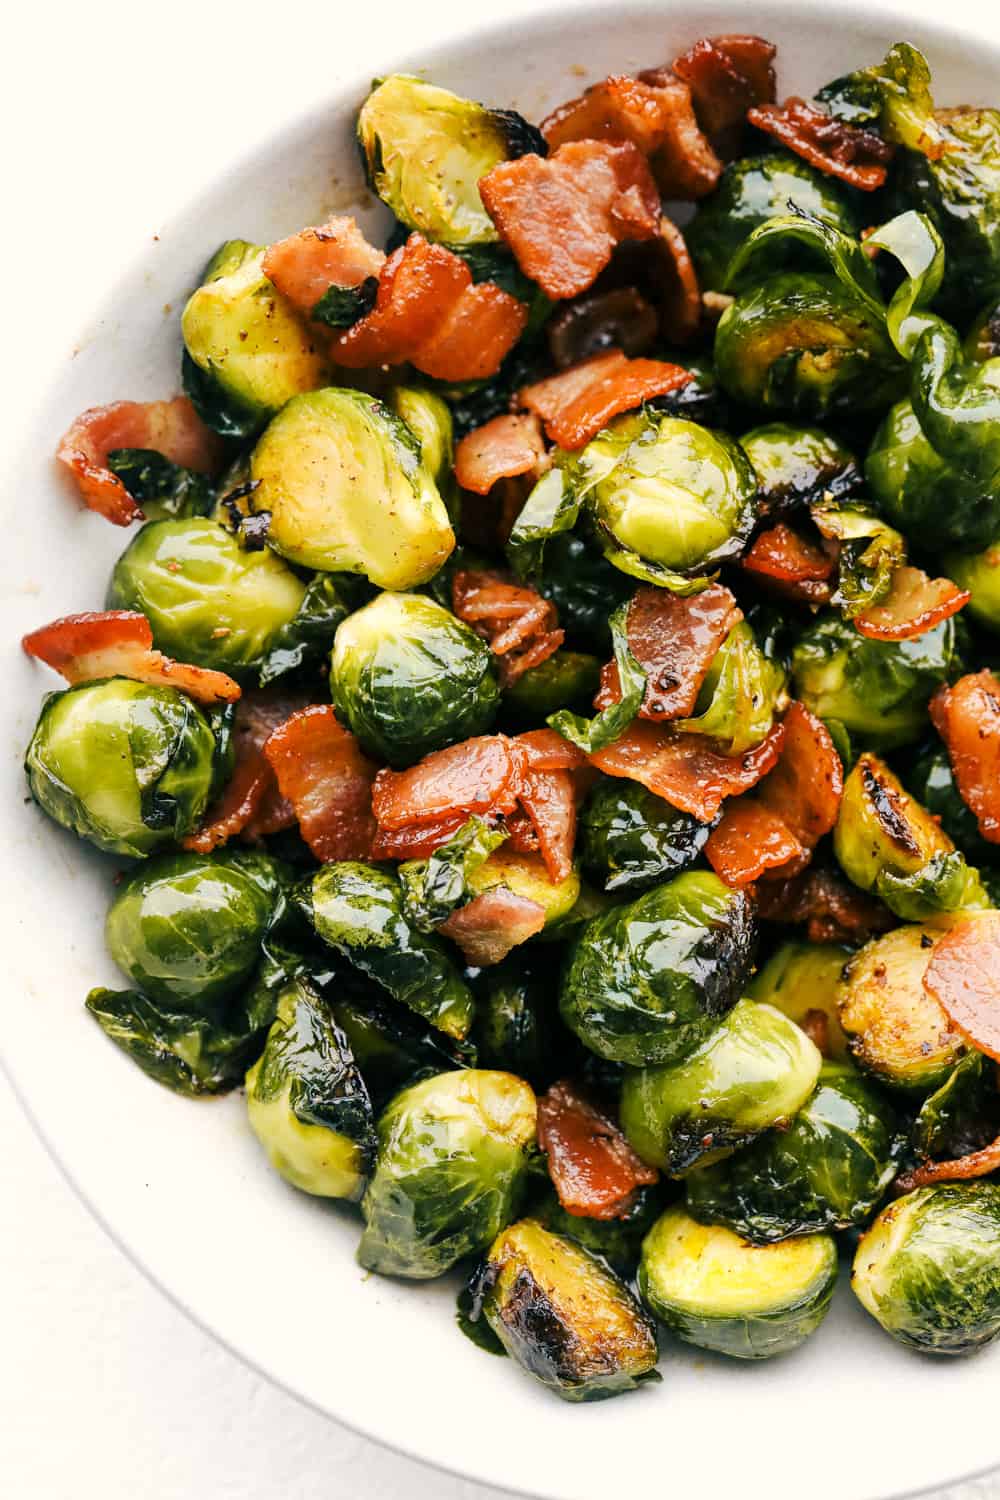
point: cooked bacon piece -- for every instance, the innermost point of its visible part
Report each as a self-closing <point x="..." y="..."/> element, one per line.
<point x="749" y="840"/>
<point x="521" y="627"/>
<point x="562" y="215"/>
<point x="727" y="75"/>
<point x="832" y="910"/>
<point x="492" y="924"/>
<point x="674" y="640"/>
<point x="172" y="428"/>
<point x="549" y="799"/>
<point x="967" y="717"/>
<point x="503" y="448"/>
<point x="617" y="109"/>
<point x="806" y="785"/>
<point x="429" y="313"/>
<point x="857" y="156"/>
<point x="595" y="1172"/>
<point x="964" y="978"/>
<point x="251" y="803"/>
<point x="119" y="643"/>
<point x="306" y="265"/>
<point x="680" y="294"/>
<point x="790" y="565"/>
<point x="577" y="403"/>
<point x="685" y="769"/>
<point x="961" y="1169"/>
<point x="477" y="776"/>
<point x="415" y="840"/>
<point x="522" y="835"/>
<point x="546" y="750"/>
<point x="684" y="164"/>
<point x="321" y="771"/>
<point x="914" y="603"/>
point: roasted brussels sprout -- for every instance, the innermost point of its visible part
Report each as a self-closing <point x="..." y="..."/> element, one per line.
<point x="802" y="980"/>
<point x="517" y="1025"/>
<point x="631" y="839"/>
<point x="434" y="887"/>
<point x="617" y="1241"/>
<point x="755" y="1070"/>
<point x="451" y="1154"/>
<point x="929" y="1268"/>
<point x="585" y="589"/>
<point x="127" y="766"/>
<point x="428" y="418"/>
<point x="887" y="843"/>
<point x="408" y="677"/>
<point x="390" y="1044"/>
<point x="647" y="982"/>
<point x="979" y="572"/>
<point x="829" y="1170"/>
<point x="307" y="1102"/>
<point x="798" y="466"/>
<point x="342" y="479"/>
<point x="895" y="1029"/>
<point x="962" y="1115"/>
<point x="567" y="679"/>
<point x="563" y="1316"/>
<point x="719" y="1292"/>
<point x="526" y="875"/>
<point x="869" y="551"/>
<point x="740" y="695"/>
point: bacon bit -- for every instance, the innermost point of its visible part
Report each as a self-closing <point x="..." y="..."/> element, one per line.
<point x="680" y="294"/>
<point x="429" y="313"/>
<point x="546" y="750"/>
<point x="477" y="776"/>
<point x="522" y="835"/>
<point x="119" y="643"/>
<point x="172" y="428"/>
<point x="913" y="605"/>
<point x="674" y="640"/>
<point x="520" y="626"/>
<point x="727" y="75"/>
<point x="963" y="976"/>
<point x="415" y="840"/>
<point x="967" y="717"/>
<point x="806" y="785"/>
<point x="492" y="924"/>
<point x="832" y="910"/>
<point x="577" y="403"/>
<point x="857" y="156"/>
<point x="595" y="1172"/>
<point x="790" y="565"/>
<point x="305" y="266"/>
<point x="684" y="164"/>
<point x="232" y="812"/>
<point x="549" y="799"/>
<point x="961" y="1169"/>
<point x="321" y="771"/>
<point x="562" y="215"/>
<point x="685" y="769"/>
<point x="750" y="840"/>
<point x="504" y="448"/>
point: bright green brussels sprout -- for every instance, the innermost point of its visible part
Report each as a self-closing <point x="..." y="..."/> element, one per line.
<point x="408" y="677"/>
<point x="979" y="572"/>
<point x="247" y="339"/>
<point x="631" y="839"/>
<point x="878" y="690"/>
<point x="563" y="1316"/>
<point x="895" y="1029"/>
<point x="451" y="1156"/>
<point x="187" y="928"/>
<point x="435" y="887"/>
<point x="754" y="189"/>
<point x="798" y="466"/>
<point x="928" y="1269"/>
<point x="932" y="782"/>
<point x="358" y="911"/>
<point x="802" y="980"/>
<point x="517" y="1026"/>
<point x="887" y="843"/>
<point x="755" y="1070"/>
<point x="425" y="150"/>
<point x="616" y="1241"/>
<point x="742" y="691"/>
<point x="829" y="1170"/>
<point x="127" y="766"/>
<point x="428" y="418"/>
<point x="342" y="478"/>
<point x="585" y="589"/>
<point x="647" y="982"/>
<point x="307" y="1102"/>
<point x="719" y="1292"/>
<point x="390" y="1044"/>
<point x="567" y="679"/>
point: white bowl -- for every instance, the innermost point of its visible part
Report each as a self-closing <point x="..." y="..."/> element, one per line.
<point x="183" y="1186"/>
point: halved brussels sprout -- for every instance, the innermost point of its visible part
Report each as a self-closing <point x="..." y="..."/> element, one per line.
<point x="616" y="1241"/>
<point x="962" y="1115"/>
<point x="719" y="1292"/>
<point x="517" y="1024"/>
<point x="425" y="150"/>
<point x="390" y="1044"/>
<point x="979" y="572"/>
<point x="631" y="839"/>
<point x="802" y="980"/>
<point x="928" y="1269"/>
<point x="566" y="679"/>
<point x="895" y="1029"/>
<point x="241" y="333"/>
<point x="647" y="982"/>
<point x="869" y="551"/>
<point x="307" y="1102"/>
<point x="451" y="1156"/>
<point x="798" y="466"/>
<point x="408" y="677"/>
<point x="342" y="478"/>
<point x="829" y="1170"/>
<point x="428" y="418"/>
<point x="127" y="766"/>
<point x="563" y="1316"/>
<point x="755" y="1070"/>
<point x="742" y="691"/>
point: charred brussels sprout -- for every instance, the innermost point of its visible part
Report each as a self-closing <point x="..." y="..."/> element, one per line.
<point x="451" y="1154"/>
<point x="631" y="839"/>
<point x="719" y="1292"/>
<point x="929" y="1268"/>
<point x="647" y="982"/>
<point x="829" y="1170"/>
<point x="798" y="466"/>
<point x="563" y="1316"/>
<point x="127" y="766"/>
<point x="408" y="678"/>
<point x="755" y="1070"/>
<point x="802" y="980"/>
<point x="342" y="480"/>
<point x="307" y="1103"/>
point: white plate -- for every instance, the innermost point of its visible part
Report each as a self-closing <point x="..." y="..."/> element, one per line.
<point x="183" y="1186"/>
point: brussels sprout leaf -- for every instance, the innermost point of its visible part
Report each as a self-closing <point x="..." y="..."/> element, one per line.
<point x="611" y="723"/>
<point x="844" y="255"/>
<point x="340" y="306"/>
<point x="551" y="508"/>
<point x="944" y="884"/>
<point x="434" y="887"/>
<point x="309" y="634"/>
<point x="855" y="98"/>
<point x="216" y="409"/>
<point x="188" y="1054"/>
<point x="962" y="1115"/>
<point x="148" y="476"/>
<point x="870" y="550"/>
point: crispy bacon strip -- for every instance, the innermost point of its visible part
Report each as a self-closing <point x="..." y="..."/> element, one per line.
<point x="960" y="1169"/>
<point x="477" y="776"/>
<point x="119" y="643"/>
<point x="914" y="604"/>
<point x="685" y="769"/>
<point x="675" y="640"/>
<point x="250" y="803"/>
<point x="790" y="565"/>
<point x="172" y="428"/>
<point x="521" y="627"/>
<point x="964" y="978"/>
<point x="546" y="750"/>
<point x="807" y="784"/>
<point x="727" y="75"/>
<point x="429" y="313"/>
<point x="492" y="924"/>
<point x="857" y="156"/>
<point x="549" y="799"/>
<point x="415" y="840"/>
<point x="305" y="265"/>
<point x="322" y="772"/>
<point x="749" y="840"/>
<point x="684" y="163"/>
<point x="504" y="448"/>
<point x="832" y="910"/>
<point x="967" y="717"/>
<point x="595" y="1172"/>
<point x="562" y="215"/>
<point x="577" y="403"/>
